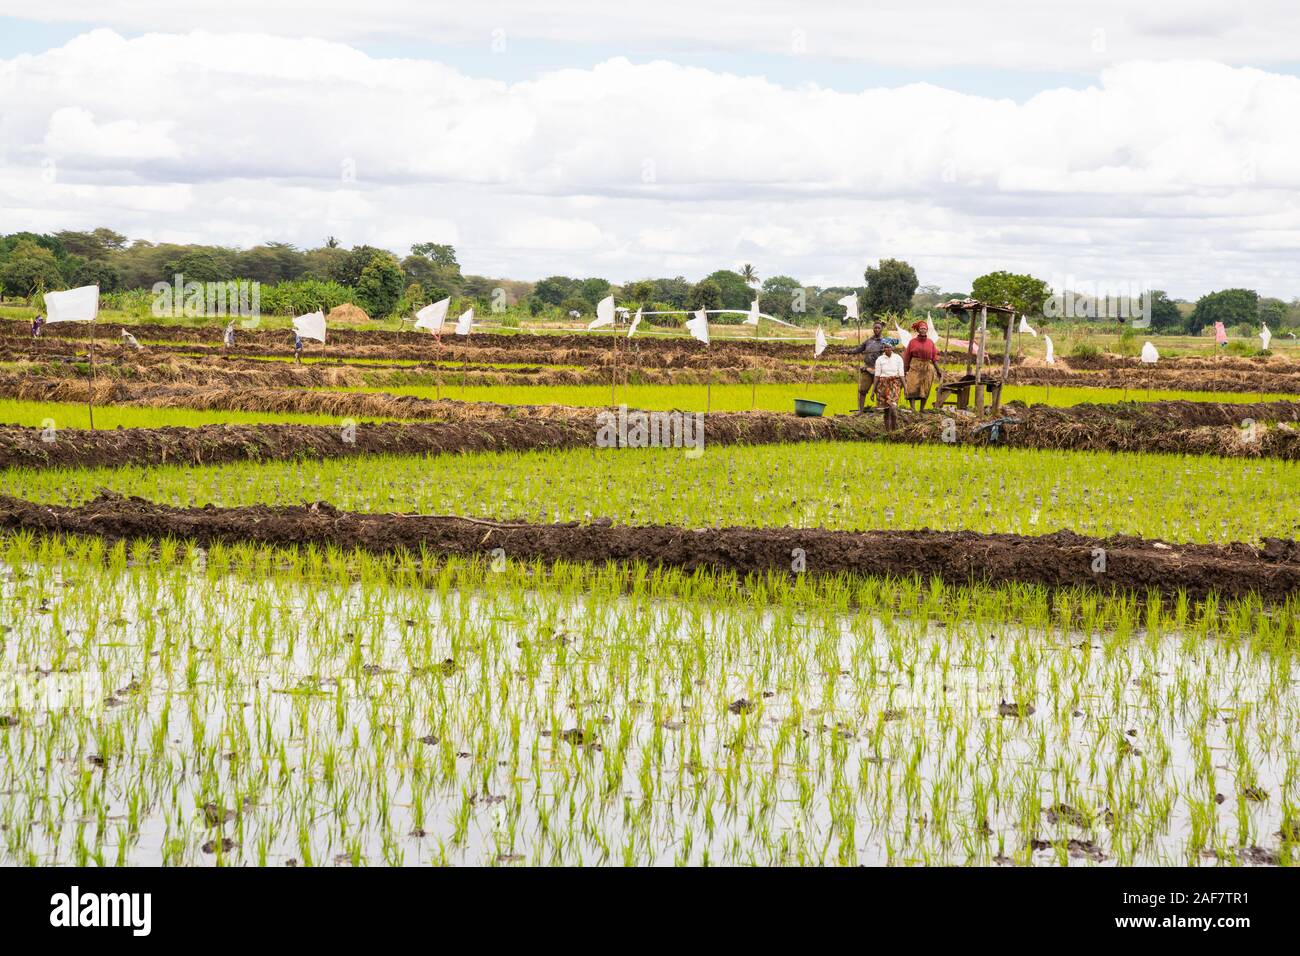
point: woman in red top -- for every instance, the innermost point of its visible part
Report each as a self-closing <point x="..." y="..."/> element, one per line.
<point x="920" y="366"/>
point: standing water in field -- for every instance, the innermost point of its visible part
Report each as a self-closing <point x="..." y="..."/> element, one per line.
<point x="263" y="706"/>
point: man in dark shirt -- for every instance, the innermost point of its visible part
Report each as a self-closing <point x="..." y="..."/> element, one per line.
<point x="870" y="350"/>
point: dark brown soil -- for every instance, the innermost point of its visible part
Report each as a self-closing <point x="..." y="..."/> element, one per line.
<point x="1063" y="559"/>
<point x="513" y="429"/>
<point x="1207" y="428"/>
<point x="592" y="360"/>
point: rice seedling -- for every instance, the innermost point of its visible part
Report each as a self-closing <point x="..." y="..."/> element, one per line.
<point x="840" y="398"/>
<point x="31" y="414"/>
<point x="246" y="705"/>
<point x="857" y="487"/>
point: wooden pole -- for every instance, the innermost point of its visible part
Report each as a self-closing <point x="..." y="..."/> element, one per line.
<point x="613" y="369"/>
<point x="437" y="374"/>
<point x="90" y="395"/>
<point x="979" y="360"/>
<point x="1006" y="366"/>
<point x="970" y="345"/>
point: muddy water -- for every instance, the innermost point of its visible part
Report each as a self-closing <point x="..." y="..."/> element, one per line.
<point x="577" y="725"/>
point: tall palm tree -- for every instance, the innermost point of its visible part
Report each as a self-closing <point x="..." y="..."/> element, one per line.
<point x="748" y="274"/>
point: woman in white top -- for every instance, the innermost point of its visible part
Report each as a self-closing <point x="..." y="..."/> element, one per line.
<point x="887" y="384"/>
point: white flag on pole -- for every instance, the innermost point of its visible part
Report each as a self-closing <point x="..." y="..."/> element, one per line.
<point x="1149" y="354"/>
<point x="752" y="318"/>
<point x="903" y="337"/>
<point x="465" y="321"/>
<point x="699" y="326"/>
<point x="432" y="316"/>
<point x="820" y="345"/>
<point x="636" y="320"/>
<point x="1051" y="355"/>
<point x="1026" y="327"/>
<point x="1265" y="336"/>
<point x="311" y="325"/>
<point x="850" y="303"/>
<point x="72" y="305"/>
<point x="604" y="313"/>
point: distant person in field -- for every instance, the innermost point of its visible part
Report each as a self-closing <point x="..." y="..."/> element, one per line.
<point x="297" y="347"/>
<point x="887" y="380"/>
<point x="228" y="337"/>
<point x="870" y="350"/>
<point x="37" y="321"/>
<point x="920" y="366"/>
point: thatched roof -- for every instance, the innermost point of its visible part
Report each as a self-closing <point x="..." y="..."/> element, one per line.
<point x="974" y="305"/>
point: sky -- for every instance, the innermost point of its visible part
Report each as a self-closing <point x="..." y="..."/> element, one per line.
<point x="1100" y="146"/>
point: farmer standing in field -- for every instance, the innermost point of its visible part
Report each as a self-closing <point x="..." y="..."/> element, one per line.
<point x="228" y="337"/>
<point x="920" y="366"/>
<point x="37" y="321"/>
<point x="297" y="347"/>
<point x="887" y="380"/>
<point x="870" y="350"/>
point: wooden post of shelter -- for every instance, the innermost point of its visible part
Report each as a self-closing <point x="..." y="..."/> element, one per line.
<point x="970" y="343"/>
<point x="979" y="360"/>
<point x="1006" y="365"/>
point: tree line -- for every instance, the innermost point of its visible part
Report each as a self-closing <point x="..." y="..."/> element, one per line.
<point x="297" y="280"/>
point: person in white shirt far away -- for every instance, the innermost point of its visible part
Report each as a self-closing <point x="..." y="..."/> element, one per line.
<point x="887" y="383"/>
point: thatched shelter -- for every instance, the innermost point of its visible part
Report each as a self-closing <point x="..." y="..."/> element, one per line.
<point x="976" y="382"/>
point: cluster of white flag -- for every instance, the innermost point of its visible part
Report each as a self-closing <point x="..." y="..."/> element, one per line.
<point x="433" y="316"/>
<point x="1149" y="354"/>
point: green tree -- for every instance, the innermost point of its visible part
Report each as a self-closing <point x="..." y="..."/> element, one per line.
<point x="1229" y="306"/>
<point x="593" y="290"/>
<point x="202" y="265"/>
<point x="78" y="272"/>
<point x="1165" y="316"/>
<point x="437" y="253"/>
<point x="553" y="290"/>
<point x="736" y="293"/>
<point x="380" y="285"/>
<point x="1023" y="293"/>
<point x="1273" y="312"/>
<point x="576" y="303"/>
<point x="30" y="268"/>
<point x="779" y="296"/>
<point x="890" y="287"/>
<point x="639" y="292"/>
<point x="749" y="275"/>
<point x="672" y="292"/>
<point x="705" y="294"/>
<point x="355" y="262"/>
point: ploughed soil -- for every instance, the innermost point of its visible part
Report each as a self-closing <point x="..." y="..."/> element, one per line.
<point x="14" y="331"/>
<point x="159" y="366"/>
<point x="590" y="359"/>
<point x="452" y="427"/>
<point x="1062" y="559"/>
<point x="514" y="428"/>
<point x="110" y="332"/>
